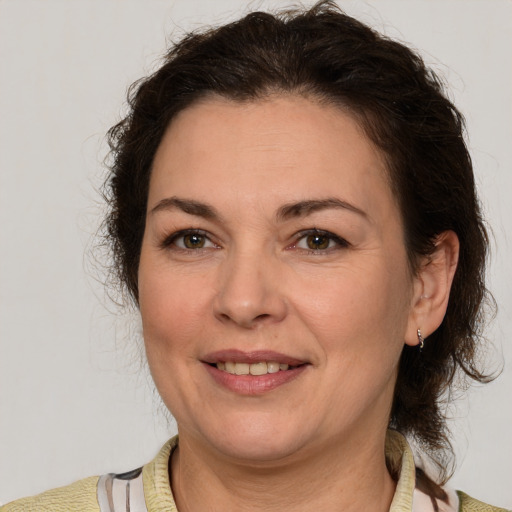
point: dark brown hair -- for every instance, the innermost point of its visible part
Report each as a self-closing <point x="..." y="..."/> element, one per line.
<point x="326" y="55"/>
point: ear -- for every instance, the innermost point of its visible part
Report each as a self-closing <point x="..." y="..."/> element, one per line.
<point x="432" y="285"/>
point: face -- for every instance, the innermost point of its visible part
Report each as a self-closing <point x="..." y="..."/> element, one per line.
<point x="273" y="280"/>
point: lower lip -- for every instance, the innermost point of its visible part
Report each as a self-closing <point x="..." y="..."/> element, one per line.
<point x="254" y="384"/>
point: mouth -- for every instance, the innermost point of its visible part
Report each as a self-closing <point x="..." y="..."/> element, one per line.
<point x="253" y="373"/>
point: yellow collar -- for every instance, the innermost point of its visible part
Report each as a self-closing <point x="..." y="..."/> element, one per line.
<point x="159" y="497"/>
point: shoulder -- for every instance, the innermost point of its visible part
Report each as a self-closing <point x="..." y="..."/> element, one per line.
<point x="141" y="489"/>
<point x="469" y="504"/>
<point x="77" y="497"/>
<point x="413" y="497"/>
<point x="110" y="492"/>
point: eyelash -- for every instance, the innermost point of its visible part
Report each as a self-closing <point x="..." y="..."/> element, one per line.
<point x="171" y="240"/>
<point x="340" y="243"/>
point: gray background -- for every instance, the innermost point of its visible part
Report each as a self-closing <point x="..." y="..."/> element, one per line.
<point x="75" y="399"/>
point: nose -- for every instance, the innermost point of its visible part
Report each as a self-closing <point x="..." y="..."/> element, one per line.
<point x="250" y="292"/>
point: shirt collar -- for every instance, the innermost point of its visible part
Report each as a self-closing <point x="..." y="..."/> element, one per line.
<point x="399" y="456"/>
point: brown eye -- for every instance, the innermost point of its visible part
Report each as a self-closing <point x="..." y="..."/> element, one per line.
<point x="189" y="240"/>
<point x="194" y="241"/>
<point x="317" y="242"/>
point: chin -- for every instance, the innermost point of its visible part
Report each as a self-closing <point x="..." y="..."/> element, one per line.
<point x="258" y="440"/>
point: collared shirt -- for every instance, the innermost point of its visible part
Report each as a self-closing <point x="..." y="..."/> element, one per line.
<point x="148" y="489"/>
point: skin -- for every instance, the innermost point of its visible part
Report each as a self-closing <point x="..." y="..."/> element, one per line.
<point x="345" y="310"/>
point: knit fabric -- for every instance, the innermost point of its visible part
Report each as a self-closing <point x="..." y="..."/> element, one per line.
<point x="468" y="504"/>
<point x="157" y="487"/>
<point x="77" y="497"/>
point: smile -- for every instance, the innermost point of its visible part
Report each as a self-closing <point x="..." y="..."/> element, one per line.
<point x="253" y="373"/>
<point x="260" y="368"/>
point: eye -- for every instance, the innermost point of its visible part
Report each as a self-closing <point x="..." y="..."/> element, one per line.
<point x="319" y="241"/>
<point x="190" y="239"/>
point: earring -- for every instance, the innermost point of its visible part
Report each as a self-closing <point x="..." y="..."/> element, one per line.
<point x="421" y="340"/>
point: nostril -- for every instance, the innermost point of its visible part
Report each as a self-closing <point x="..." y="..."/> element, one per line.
<point x="249" y="312"/>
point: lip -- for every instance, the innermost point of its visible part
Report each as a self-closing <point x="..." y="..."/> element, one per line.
<point x="253" y="384"/>
<point x="240" y="356"/>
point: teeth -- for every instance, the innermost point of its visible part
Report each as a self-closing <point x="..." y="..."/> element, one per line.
<point x="230" y="367"/>
<point x="261" y="368"/>
<point x="258" y="369"/>
<point x="272" y="367"/>
<point x="241" y="369"/>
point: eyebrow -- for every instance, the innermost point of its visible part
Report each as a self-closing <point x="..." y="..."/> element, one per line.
<point x="188" y="206"/>
<point x="285" y="212"/>
<point x="304" y="208"/>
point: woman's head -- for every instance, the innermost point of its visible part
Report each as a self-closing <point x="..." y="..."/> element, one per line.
<point x="332" y="60"/>
<point x="272" y="237"/>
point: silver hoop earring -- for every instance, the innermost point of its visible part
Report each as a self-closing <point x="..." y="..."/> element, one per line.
<point x="421" y="340"/>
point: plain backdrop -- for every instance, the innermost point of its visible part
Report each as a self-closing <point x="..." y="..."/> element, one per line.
<point x="75" y="399"/>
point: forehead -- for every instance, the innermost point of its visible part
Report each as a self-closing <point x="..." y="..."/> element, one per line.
<point x="279" y="146"/>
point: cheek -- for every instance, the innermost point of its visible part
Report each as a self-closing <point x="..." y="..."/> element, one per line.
<point x="172" y="307"/>
<point x="172" y="317"/>
<point x="356" y="309"/>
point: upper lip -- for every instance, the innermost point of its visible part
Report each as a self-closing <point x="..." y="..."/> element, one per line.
<point x="257" y="356"/>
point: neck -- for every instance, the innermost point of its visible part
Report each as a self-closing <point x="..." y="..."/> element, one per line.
<point x="352" y="477"/>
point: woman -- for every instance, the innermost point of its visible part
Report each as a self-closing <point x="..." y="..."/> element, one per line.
<point x="293" y="211"/>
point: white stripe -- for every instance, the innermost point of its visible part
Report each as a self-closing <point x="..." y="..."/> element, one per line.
<point x="421" y="502"/>
<point x="121" y="489"/>
<point x="137" y="501"/>
<point x="102" y="493"/>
